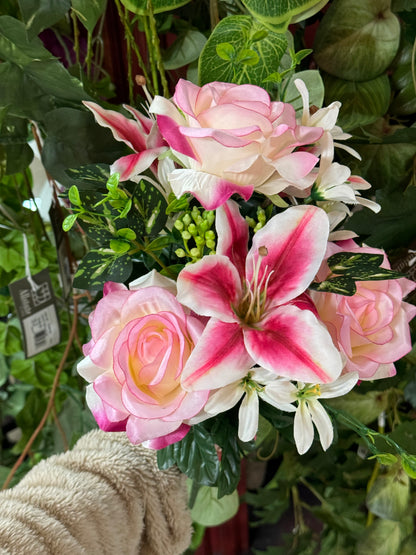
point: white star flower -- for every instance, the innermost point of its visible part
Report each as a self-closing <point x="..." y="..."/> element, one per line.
<point x="283" y="393"/>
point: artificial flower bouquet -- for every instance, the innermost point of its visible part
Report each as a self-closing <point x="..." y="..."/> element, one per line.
<point x="259" y="304"/>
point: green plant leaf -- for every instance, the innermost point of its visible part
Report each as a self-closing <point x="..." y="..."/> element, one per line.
<point x="382" y="537"/>
<point x="362" y="102"/>
<point x="240" y="32"/>
<point x="276" y="16"/>
<point x="357" y="40"/>
<point x="99" y="266"/>
<point x="210" y="510"/>
<point x="186" y="48"/>
<point x="315" y="85"/>
<point x="69" y="131"/>
<point x="340" y="285"/>
<point x="41" y="14"/>
<point x="394" y="226"/>
<point x="360" y="266"/>
<point x="195" y="455"/>
<point x="389" y="495"/>
<point x="140" y="7"/>
<point x="365" y="408"/>
<point x="89" y="12"/>
<point x="91" y="176"/>
<point x="409" y="465"/>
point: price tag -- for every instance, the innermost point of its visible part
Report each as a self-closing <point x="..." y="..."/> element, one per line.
<point x="36" y="308"/>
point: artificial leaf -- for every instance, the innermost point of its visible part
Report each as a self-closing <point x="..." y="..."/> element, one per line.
<point x="240" y="32"/>
<point x="225" y="435"/>
<point x="408" y="463"/>
<point x="195" y="455"/>
<point x="389" y="495"/>
<point x="382" y="537"/>
<point x="186" y="48"/>
<point x="102" y="265"/>
<point x="362" y="102"/>
<point x="277" y="15"/>
<point x="394" y="226"/>
<point x="361" y="266"/>
<point x="211" y="510"/>
<point x="73" y="140"/>
<point x="141" y="7"/>
<point x="313" y="81"/>
<point x="357" y="39"/>
<point x="404" y="102"/>
<point x="340" y="285"/>
<point x="365" y="408"/>
<point x="89" y="12"/>
<point x="41" y="14"/>
<point x="92" y="176"/>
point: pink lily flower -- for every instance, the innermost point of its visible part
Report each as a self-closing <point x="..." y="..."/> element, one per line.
<point x="141" y="135"/>
<point x="259" y="314"/>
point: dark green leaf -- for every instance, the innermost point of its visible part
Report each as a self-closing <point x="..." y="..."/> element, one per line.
<point x="277" y="15"/>
<point x="141" y="7"/>
<point x="361" y="266"/>
<point x="195" y="455"/>
<point x="41" y="14"/>
<point x="341" y="285"/>
<point x="225" y="435"/>
<point x="92" y="176"/>
<point x="89" y="12"/>
<point x="238" y="32"/>
<point x="99" y="266"/>
<point x="186" y="48"/>
<point x="178" y="204"/>
<point x="160" y="243"/>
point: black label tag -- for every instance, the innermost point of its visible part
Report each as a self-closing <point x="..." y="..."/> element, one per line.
<point x="37" y="312"/>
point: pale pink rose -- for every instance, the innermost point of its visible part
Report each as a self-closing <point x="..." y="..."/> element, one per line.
<point x="371" y="328"/>
<point x="233" y="139"/>
<point x="140" y="342"/>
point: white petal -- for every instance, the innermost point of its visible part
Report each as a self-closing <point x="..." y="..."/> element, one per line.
<point x="374" y="206"/>
<point x="280" y="394"/>
<point x="225" y="398"/>
<point x="153" y="279"/>
<point x="339" y="387"/>
<point x="248" y="417"/>
<point x="263" y="376"/>
<point x="88" y="370"/>
<point x="322" y="422"/>
<point x="303" y="428"/>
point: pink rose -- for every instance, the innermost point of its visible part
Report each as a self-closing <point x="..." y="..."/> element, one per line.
<point x="371" y="328"/>
<point x="141" y="339"/>
<point x="233" y="139"/>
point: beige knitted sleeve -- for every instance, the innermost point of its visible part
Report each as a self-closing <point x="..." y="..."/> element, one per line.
<point x="105" y="497"/>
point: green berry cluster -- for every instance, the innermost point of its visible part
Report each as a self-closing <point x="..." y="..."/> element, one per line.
<point x="197" y="235"/>
<point x="261" y="219"/>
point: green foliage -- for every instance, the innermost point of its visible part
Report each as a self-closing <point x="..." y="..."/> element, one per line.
<point x="241" y="50"/>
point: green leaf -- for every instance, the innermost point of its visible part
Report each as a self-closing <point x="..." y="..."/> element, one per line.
<point x="74" y="139"/>
<point x="357" y="39"/>
<point x="341" y="285"/>
<point x="69" y="222"/>
<point x="394" y="226"/>
<point x="91" y="176"/>
<point x="409" y="465"/>
<point x="365" y="408"/>
<point x="4" y="370"/>
<point x="120" y="247"/>
<point x="277" y="15"/>
<point x="140" y="7"/>
<point x="73" y="195"/>
<point x="225" y="435"/>
<point x="210" y="510"/>
<point x="41" y="14"/>
<point x="178" y="204"/>
<point x="389" y="495"/>
<point x="385" y="459"/>
<point x="89" y="12"/>
<point x="313" y="81"/>
<point x="362" y="102"/>
<point x="240" y="31"/>
<point x="186" y="48"/>
<point x="226" y="51"/>
<point x="160" y="243"/>
<point x="99" y="266"/>
<point x="383" y="537"/>
<point x="10" y="259"/>
<point x="195" y="455"/>
<point x="361" y="266"/>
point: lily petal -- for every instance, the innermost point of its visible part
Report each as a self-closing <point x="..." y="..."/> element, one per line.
<point x="294" y="344"/>
<point x="218" y="359"/>
<point x="210" y="287"/>
<point x="248" y="416"/>
<point x="224" y="398"/>
<point x="232" y="230"/>
<point x="296" y="242"/>
<point x="303" y="428"/>
<point x="322" y="422"/>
